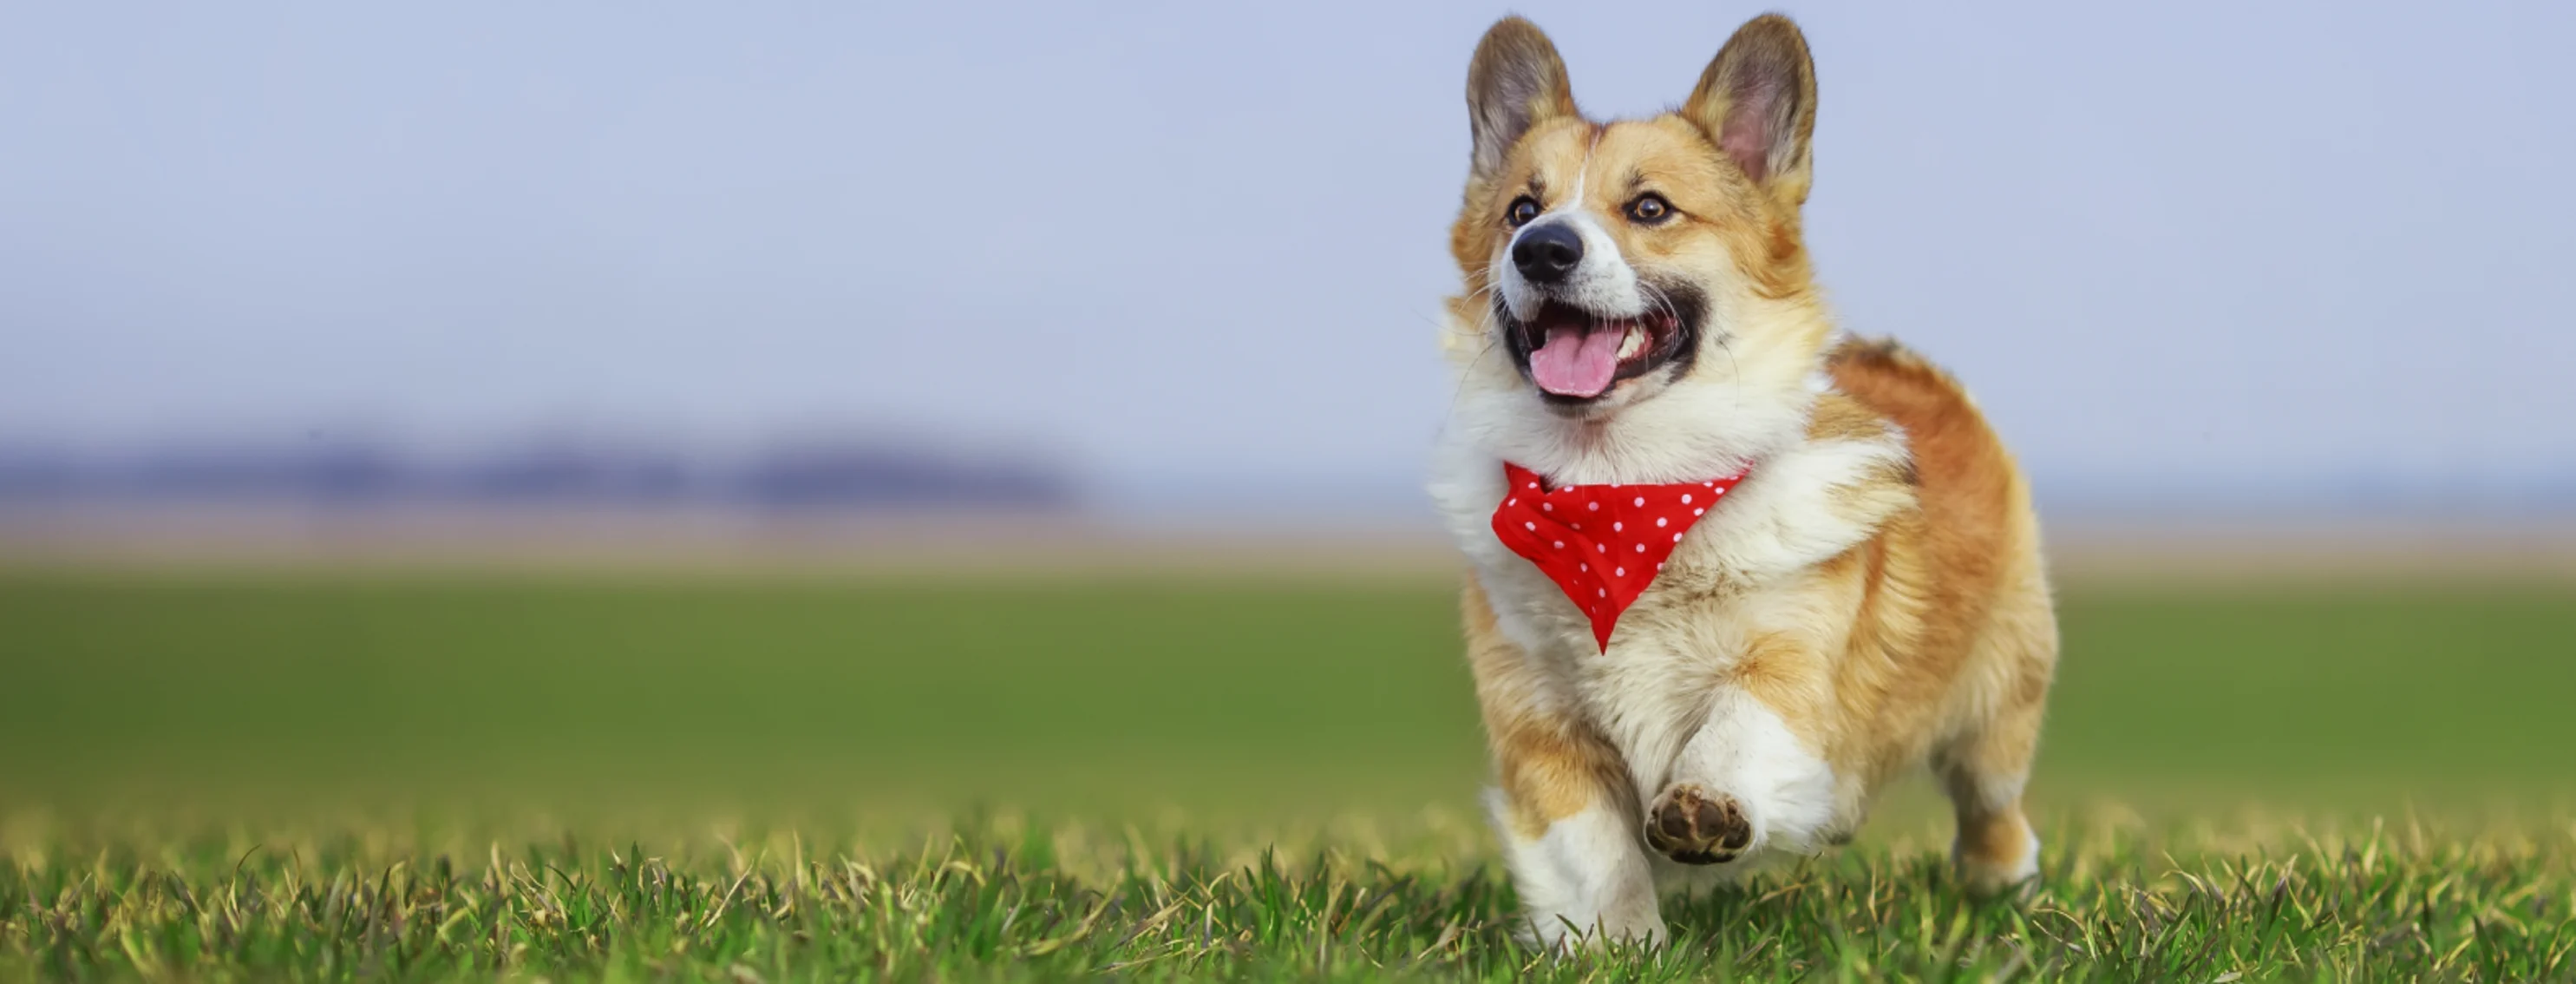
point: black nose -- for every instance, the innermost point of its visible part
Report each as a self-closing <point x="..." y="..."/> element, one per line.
<point x="1547" y="254"/>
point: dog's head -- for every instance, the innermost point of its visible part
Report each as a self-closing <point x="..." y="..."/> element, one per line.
<point x="1613" y="264"/>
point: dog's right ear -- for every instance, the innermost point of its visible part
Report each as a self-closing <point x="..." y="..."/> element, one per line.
<point x="1515" y="83"/>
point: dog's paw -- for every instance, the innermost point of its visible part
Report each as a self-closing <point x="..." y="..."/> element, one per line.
<point x="2010" y="874"/>
<point x="1693" y="826"/>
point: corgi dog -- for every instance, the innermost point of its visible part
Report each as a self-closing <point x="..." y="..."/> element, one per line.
<point x="1851" y="587"/>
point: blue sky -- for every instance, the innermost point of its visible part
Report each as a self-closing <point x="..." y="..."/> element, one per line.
<point x="2204" y="251"/>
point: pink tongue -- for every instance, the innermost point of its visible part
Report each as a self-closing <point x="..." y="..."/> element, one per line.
<point x="1575" y="362"/>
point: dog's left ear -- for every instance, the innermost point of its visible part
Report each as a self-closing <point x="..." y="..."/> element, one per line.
<point x="1757" y="101"/>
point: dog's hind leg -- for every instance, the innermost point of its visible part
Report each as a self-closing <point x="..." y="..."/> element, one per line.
<point x="1561" y="806"/>
<point x="1983" y="772"/>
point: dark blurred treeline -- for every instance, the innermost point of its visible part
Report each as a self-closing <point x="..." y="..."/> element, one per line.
<point x="802" y="475"/>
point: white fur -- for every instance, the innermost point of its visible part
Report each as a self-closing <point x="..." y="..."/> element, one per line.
<point x="1745" y="751"/>
<point x="1585" y="879"/>
<point x="1776" y="522"/>
<point x="1583" y="171"/>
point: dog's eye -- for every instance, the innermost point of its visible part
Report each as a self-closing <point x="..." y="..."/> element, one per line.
<point x="1650" y="208"/>
<point x="1523" y="210"/>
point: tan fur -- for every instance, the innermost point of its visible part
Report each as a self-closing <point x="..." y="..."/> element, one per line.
<point x="1918" y="629"/>
<point x="1953" y="641"/>
<point x="1551" y="763"/>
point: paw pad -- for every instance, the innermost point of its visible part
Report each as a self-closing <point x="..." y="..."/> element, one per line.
<point x="1692" y="826"/>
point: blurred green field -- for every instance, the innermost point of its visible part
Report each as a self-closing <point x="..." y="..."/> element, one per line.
<point x="1090" y="694"/>
<point x="1066" y="694"/>
<point x="344" y="775"/>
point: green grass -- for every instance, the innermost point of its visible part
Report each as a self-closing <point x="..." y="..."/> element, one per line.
<point x="329" y="775"/>
<point x="2373" y="904"/>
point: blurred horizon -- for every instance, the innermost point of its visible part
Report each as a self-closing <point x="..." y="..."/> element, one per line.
<point x="889" y="472"/>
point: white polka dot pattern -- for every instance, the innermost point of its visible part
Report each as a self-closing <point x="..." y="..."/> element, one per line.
<point x="1526" y="522"/>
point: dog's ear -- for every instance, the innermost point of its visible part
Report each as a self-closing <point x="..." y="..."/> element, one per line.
<point x="1757" y="101"/>
<point x="1515" y="83"/>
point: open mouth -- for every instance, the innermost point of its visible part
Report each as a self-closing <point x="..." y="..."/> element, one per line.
<point x="1575" y="356"/>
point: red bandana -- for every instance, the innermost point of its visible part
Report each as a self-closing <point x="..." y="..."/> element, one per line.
<point x="1601" y="543"/>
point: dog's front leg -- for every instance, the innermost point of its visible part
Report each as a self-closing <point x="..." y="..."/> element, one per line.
<point x="1743" y="783"/>
<point x="1563" y="805"/>
<point x="1569" y="834"/>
